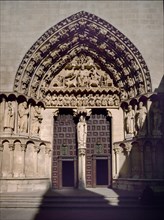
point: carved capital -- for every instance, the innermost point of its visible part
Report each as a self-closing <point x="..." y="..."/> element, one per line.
<point x="36" y="148"/>
<point x="56" y="112"/>
<point x="82" y="151"/>
<point x="109" y="114"/>
<point x="47" y="150"/>
<point x="12" y="147"/>
<point x="23" y="147"/>
<point x="117" y="149"/>
<point x="82" y="111"/>
<point x="128" y="147"/>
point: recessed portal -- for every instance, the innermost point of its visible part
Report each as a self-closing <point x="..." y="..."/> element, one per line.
<point x="68" y="173"/>
<point x="101" y="172"/>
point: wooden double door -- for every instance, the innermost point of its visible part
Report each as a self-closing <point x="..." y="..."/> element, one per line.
<point x="65" y="150"/>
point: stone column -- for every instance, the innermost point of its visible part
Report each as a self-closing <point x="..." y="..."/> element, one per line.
<point x="128" y="148"/>
<point x="81" y="168"/>
<point x="149" y="103"/>
<point x="36" y="151"/>
<point x="142" y="172"/>
<point x="11" y="146"/>
<point x="23" y="148"/>
<point x="47" y="161"/>
<point x="2" y="112"/>
<point x="117" y="150"/>
<point x="82" y="139"/>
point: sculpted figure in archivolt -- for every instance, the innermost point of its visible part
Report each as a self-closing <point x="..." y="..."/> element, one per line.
<point x="82" y="132"/>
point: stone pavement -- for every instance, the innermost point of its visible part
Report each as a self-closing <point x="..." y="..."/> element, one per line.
<point x="74" y="204"/>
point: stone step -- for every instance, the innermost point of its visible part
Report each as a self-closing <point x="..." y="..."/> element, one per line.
<point x="72" y="199"/>
<point x="67" y="202"/>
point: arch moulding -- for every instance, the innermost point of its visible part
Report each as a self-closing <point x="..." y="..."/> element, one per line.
<point x="83" y="56"/>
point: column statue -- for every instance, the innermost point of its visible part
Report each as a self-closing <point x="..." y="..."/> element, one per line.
<point x="36" y="119"/>
<point x="141" y="118"/>
<point x="129" y="120"/>
<point x="23" y="113"/>
<point x="82" y="132"/>
<point x="9" y="117"/>
<point x="82" y="138"/>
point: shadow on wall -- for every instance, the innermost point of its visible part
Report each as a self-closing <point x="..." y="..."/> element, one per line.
<point x="140" y="158"/>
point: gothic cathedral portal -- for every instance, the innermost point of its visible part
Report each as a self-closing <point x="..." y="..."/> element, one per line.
<point x="82" y="112"/>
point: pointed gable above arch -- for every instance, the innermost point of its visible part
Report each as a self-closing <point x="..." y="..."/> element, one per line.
<point x="83" y="35"/>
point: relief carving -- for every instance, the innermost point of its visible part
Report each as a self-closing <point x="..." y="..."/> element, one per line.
<point x="23" y="114"/>
<point x="130" y="121"/>
<point x="82" y="100"/>
<point x="82" y="72"/>
<point x="9" y="116"/>
<point x="141" y="114"/>
<point x="82" y="132"/>
<point x="36" y="119"/>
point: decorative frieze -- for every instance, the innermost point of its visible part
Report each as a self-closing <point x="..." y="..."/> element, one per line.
<point x="90" y="100"/>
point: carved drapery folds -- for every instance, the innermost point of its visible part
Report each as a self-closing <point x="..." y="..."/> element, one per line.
<point x="93" y="55"/>
<point x="143" y="117"/>
<point x="20" y="115"/>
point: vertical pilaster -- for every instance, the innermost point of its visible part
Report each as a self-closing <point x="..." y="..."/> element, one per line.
<point x="149" y="103"/>
<point x="141" y="149"/>
<point x="117" y="151"/>
<point x="1" y="158"/>
<point x="23" y="149"/>
<point x="11" y="146"/>
<point x="128" y="148"/>
<point x="48" y="161"/>
<point x="36" y="151"/>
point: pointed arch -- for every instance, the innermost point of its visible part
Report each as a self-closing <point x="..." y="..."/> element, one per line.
<point x="83" y="34"/>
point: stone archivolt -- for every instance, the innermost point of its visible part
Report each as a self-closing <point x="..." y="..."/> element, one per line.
<point x="83" y="35"/>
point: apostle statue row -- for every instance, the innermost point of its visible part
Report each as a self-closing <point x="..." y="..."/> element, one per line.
<point x="22" y="118"/>
<point x="136" y="120"/>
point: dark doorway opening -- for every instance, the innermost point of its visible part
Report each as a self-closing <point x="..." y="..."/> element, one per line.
<point x="102" y="172"/>
<point x="68" y="173"/>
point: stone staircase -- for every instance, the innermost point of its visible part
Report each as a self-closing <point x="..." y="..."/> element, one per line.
<point x="71" y="198"/>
